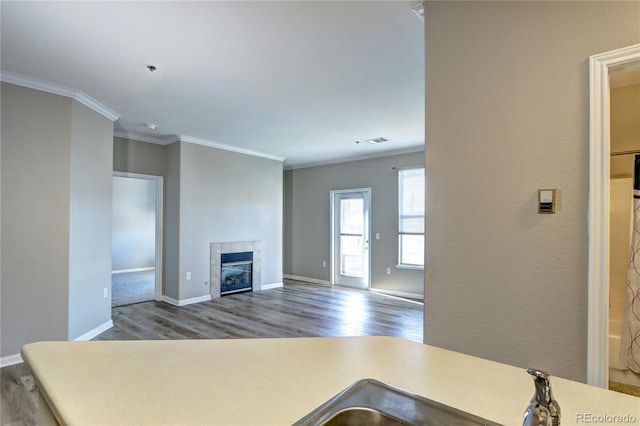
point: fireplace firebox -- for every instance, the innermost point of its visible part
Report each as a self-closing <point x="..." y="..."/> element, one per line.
<point x="236" y="270"/>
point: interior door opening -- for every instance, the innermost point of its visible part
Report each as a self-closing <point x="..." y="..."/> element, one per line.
<point x="599" y="214"/>
<point x="350" y="225"/>
<point x="136" y="239"/>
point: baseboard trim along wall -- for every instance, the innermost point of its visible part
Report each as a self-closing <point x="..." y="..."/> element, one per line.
<point x="6" y="361"/>
<point x="270" y="286"/>
<point x="93" y="333"/>
<point x="307" y="279"/>
<point x="183" y="302"/>
<point x="126" y="271"/>
<point x="402" y="294"/>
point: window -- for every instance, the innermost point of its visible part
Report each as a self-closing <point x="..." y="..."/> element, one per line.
<point x="411" y="191"/>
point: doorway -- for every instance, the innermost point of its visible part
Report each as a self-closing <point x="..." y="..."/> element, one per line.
<point x="136" y="239"/>
<point x="624" y="100"/>
<point x="599" y="211"/>
<point x="350" y="224"/>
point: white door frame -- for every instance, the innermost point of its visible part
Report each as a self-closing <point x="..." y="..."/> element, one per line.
<point x="367" y="230"/>
<point x="599" y="180"/>
<point x="159" y="225"/>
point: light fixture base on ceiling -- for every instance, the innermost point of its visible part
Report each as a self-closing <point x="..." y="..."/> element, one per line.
<point x="418" y="9"/>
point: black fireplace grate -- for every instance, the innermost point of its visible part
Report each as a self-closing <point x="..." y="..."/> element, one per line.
<point x="236" y="271"/>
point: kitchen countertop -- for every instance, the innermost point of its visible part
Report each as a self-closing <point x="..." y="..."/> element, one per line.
<point x="278" y="381"/>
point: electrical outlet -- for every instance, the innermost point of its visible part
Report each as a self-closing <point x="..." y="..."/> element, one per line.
<point x="388" y="271"/>
<point x="188" y="275"/>
<point x="324" y="263"/>
<point x="105" y="292"/>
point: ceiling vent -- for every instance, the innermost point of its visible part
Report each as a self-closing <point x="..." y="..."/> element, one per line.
<point x="377" y="140"/>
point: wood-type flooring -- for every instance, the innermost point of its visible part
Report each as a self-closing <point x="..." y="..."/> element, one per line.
<point x="295" y="310"/>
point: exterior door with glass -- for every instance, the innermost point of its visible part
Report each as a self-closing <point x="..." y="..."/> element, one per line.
<point x="350" y="237"/>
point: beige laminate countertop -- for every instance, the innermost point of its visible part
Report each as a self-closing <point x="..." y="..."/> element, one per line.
<point x="278" y="381"/>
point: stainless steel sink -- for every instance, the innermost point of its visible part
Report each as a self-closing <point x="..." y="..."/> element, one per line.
<point x="362" y="416"/>
<point x="371" y="402"/>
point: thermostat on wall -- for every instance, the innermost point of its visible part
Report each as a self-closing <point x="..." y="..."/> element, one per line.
<point x="546" y="201"/>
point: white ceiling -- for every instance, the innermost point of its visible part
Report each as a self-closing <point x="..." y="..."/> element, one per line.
<point x="300" y="80"/>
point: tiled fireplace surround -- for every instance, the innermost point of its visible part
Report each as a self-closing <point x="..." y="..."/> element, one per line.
<point x="233" y="247"/>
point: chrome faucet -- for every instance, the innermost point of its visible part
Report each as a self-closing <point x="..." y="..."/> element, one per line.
<point x="543" y="410"/>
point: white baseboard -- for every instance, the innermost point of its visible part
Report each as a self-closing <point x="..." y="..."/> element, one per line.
<point x="93" y="333"/>
<point x="270" y="286"/>
<point x="183" y="302"/>
<point x="126" y="271"/>
<point x="307" y="279"/>
<point x="417" y="296"/>
<point x="6" y="361"/>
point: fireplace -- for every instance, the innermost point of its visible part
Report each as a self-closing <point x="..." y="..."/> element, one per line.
<point x="236" y="272"/>
<point x="218" y="249"/>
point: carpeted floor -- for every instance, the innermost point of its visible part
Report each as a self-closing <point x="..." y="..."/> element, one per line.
<point x="132" y="287"/>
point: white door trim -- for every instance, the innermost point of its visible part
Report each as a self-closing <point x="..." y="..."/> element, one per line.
<point x="159" y="225"/>
<point x="332" y="194"/>
<point x="599" y="177"/>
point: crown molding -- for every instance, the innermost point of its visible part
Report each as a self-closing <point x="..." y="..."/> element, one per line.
<point x="88" y="101"/>
<point x="382" y="154"/>
<point x="32" y="83"/>
<point x="198" y="141"/>
<point x="190" y="139"/>
<point x="145" y="138"/>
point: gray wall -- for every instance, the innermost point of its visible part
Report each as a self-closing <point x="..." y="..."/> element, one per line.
<point x="215" y="195"/>
<point x="90" y="233"/>
<point x="307" y="214"/>
<point x="134" y="223"/>
<point x="211" y="195"/>
<point x="172" y="222"/>
<point x="36" y="139"/>
<point x="506" y="114"/>
<point x="226" y="196"/>
<point x="138" y="157"/>
<point x="55" y="234"/>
